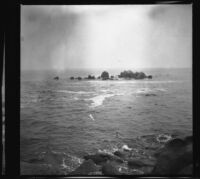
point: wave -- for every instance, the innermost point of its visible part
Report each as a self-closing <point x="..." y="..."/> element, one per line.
<point x="98" y="100"/>
<point x="90" y="115"/>
<point x="148" y="90"/>
<point x="74" y="92"/>
<point x="121" y="81"/>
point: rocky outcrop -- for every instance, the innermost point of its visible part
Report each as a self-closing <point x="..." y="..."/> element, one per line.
<point x="105" y="75"/>
<point x="100" y="158"/>
<point x="138" y="163"/>
<point x="125" y="75"/>
<point x="131" y="75"/>
<point x="56" y="78"/>
<point x="176" y="155"/>
<point x="86" y="168"/>
<point x="90" y="77"/>
<point x="110" y="169"/>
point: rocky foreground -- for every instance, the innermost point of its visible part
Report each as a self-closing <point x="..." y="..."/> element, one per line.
<point x="175" y="158"/>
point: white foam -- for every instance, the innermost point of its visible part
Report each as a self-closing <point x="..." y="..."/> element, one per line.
<point x="74" y="92"/>
<point x="98" y="100"/>
<point x="63" y="165"/>
<point x="90" y="115"/>
<point x="163" y="138"/>
<point x="125" y="147"/>
<point x="161" y="89"/>
<point x="144" y="90"/>
<point x="148" y="90"/>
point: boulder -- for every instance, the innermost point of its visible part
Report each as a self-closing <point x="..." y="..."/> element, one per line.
<point x="120" y="154"/>
<point x="149" y="77"/>
<point x="71" y="78"/>
<point x="85" y="168"/>
<point x="56" y="78"/>
<point x="187" y="170"/>
<point x="110" y="169"/>
<point x="79" y="78"/>
<point x="174" y="157"/>
<point x="138" y="163"/>
<point x="100" y="158"/>
<point x="150" y="94"/>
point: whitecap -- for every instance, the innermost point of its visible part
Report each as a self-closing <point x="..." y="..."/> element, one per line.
<point x="90" y="115"/>
<point x="161" y="89"/>
<point x="125" y="147"/>
<point x="74" y="92"/>
<point x="144" y="90"/>
<point x="163" y="138"/>
<point x="98" y="100"/>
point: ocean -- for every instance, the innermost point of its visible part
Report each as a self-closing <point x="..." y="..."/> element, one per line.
<point x="63" y="120"/>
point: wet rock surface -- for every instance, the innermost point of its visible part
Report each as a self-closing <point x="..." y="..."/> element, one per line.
<point x="110" y="169"/>
<point x="85" y="168"/>
<point x="176" y="155"/>
<point x="100" y="158"/>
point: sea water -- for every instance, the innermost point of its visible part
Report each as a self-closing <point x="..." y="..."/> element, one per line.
<point x="70" y="118"/>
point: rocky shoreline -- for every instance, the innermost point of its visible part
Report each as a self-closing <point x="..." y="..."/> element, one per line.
<point x="175" y="157"/>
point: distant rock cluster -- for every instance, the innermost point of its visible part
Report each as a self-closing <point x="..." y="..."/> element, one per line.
<point x="123" y="75"/>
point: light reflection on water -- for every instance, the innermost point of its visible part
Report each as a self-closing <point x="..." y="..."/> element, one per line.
<point x="57" y="114"/>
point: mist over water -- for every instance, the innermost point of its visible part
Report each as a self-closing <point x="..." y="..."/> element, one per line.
<point x="71" y="118"/>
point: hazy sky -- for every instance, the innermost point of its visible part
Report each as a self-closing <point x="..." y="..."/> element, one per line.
<point x="106" y="36"/>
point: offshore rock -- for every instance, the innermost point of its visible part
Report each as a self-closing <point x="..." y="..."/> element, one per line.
<point x="56" y="78"/>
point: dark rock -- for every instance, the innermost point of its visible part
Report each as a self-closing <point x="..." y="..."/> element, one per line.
<point x="100" y="158"/>
<point x="134" y="163"/>
<point x="174" y="157"/>
<point x="140" y="75"/>
<point x="79" y="78"/>
<point x="188" y="139"/>
<point x="56" y="78"/>
<point x="130" y="75"/>
<point x="72" y="78"/>
<point x="105" y="75"/>
<point x="149" y="77"/>
<point x="119" y="154"/>
<point x="90" y="77"/>
<point x="151" y="94"/>
<point x="85" y="168"/>
<point x="95" y="173"/>
<point x="187" y="170"/>
<point x="175" y="144"/>
<point x="110" y="169"/>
